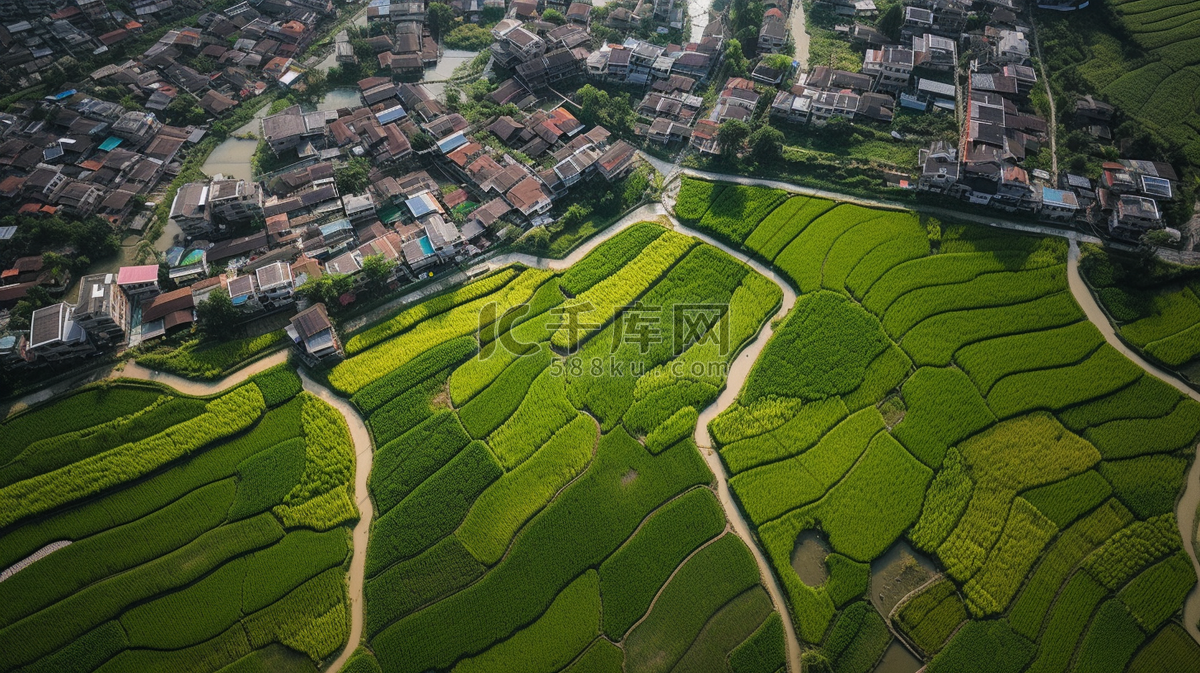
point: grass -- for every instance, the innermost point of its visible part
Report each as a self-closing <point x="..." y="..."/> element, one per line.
<point x="206" y="362"/>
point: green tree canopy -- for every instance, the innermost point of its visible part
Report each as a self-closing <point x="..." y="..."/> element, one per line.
<point x="440" y="18"/>
<point x="766" y="144"/>
<point x="217" y="314"/>
<point x="731" y="134"/>
<point x="354" y="176"/>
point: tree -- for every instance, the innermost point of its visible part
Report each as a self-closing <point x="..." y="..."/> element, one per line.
<point x="597" y="107"/>
<point x="326" y="289"/>
<point x="889" y="23"/>
<point x="1151" y="241"/>
<point x="217" y="314"/>
<point x="56" y="264"/>
<point x="440" y="18"/>
<point x="766" y="144"/>
<point x="735" y="58"/>
<point x="184" y="111"/>
<point x="354" y="176"/>
<point x="730" y="135"/>
<point x="781" y="62"/>
<point x="537" y="238"/>
<point x="377" y="269"/>
<point x="554" y="16"/>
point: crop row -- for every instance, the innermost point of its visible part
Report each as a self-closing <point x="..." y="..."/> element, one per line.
<point x="1172" y="313"/>
<point x="944" y="269"/>
<point x="1171" y="649"/>
<point x="579" y="529"/>
<point x="989" y="646"/>
<point x="990" y="361"/>
<point x="762" y="652"/>
<point x="772" y="490"/>
<point x="409" y="409"/>
<point x="1002" y="288"/>
<point x="944" y="503"/>
<point x="858" y="639"/>
<point x="1133" y="548"/>
<point x="1026" y="534"/>
<point x="931" y="616"/>
<point x="657" y="407"/>
<point x="725" y="631"/>
<point x="1066" y="622"/>
<point x="401" y="589"/>
<point x="708" y="580"/>
<point x="1110" y="642"/>
<point x="822" y="349"/>
<point x="740" y="208"/>
<point x="433" y="509"/>
<point x="695" y="197"/>
<point x="1147" y="397"/>
<point x="1005" y="459"/>
<point x="328" y="451"/>
<point x="51" y="453"/>
<point x="490" y="408"/>
<point x="515" y="497"/>
<point x="769" y="248"/>
<point x="804" y="258"/>
<point x="146" y="496"/>
<point x="609" y="257"/>
<point x="401" y="379"/>
<point x="209" y="363"/>
<point x="551" y="642"/>
<point x="402" y="464"/>
<point x="1147" y="485"/>
<point x="77" y="412"/>
<point x="543" y="411"/>
<point x="850" y="250"/>
<point x="1103" y="372"/>
<point x="1158" y="592"/>
<point x="224" y="416"/>
<point x="1065" y="501"/>
<point x="884" y="375"/>
<point x="790" y="216"/>
<point x="354" y="374"/>
<point x="266" y="478"/>
<point x="597" y="305"/>
<point x="313" y="618"/>
<point x="848" y="579"/>
<point x="680" y="425"/>
<point x="1132" y="437"/>
<point x="1177" y="349"/>
<point x="741" y="422"/>
<point x="427" y="309"/>
<point x="883" y="258"/>
<point x="935" y="340"/>
<point x="1031" y="607"/>
<point x="943" y="409"/>
<point x="633" y="575"/>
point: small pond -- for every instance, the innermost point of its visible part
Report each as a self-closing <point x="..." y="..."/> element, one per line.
<point x="896" y="573"/>
<point x="897" y="659"/>
<point x="808" y="558"/>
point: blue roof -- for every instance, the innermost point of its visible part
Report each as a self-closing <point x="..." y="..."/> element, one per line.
<point x="391" y="114"/>
<point x="452" y="143"/>
<point x="911" y="102"/>
<point x="420" y="206"/>
<point x="173" y="255"/>
<point x="65" y="94"/>
<point x="110" y="143"/>
<point x="1053" y="195"/>
<point x="192" y="257"/>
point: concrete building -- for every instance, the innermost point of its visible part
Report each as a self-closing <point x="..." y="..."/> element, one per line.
<point x="103" y="309"/>
<point x="54" y="335"/>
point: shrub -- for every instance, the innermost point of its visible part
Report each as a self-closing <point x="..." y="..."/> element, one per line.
<point x="725" y="631"/>
<point x="609" y="257"/>
<point x="983" y="647"/>
<point x="935" y="340"/>
<point x="418" y="369"/>
<point x="848" y="579"/>
<point x="427" y="309"/>
<point x="708" y="580"/>
<point x="579" y="529"/>
<point x="517" y="496"/>
<point x="401" y="465"/>
<point x="354" y="374"/>
<point x="1147" y="485"/>
<point x="989" y="361"/>
<point x="1003" y="460"/>
<point x="1156" y="594"/>
<point x="943" y="409"/>
<point x="764" y="651"/>
<point x="543" y="411"/>
<point x="226" y="415"/>
<point x="403" y="588"/>
<point x="1064" y="501"/>
<point x="772" y="490"/>
<point x="490" y="408"/>
<point x="278" y="384"/>
<point x="362" y="661"/>
<point x="597" y="305"/>
<point x="822" y="349"/>
<point x="1110" y="642"/>
<point x="1139" y="436"/>
<point x="634" y="574"/>
<point x="858" y="639"/>
<point x="1032" y="606"/>
<point x="680" y="425"/>
<point x="732" y="217"/>
<point x="433" y="509"/>
<point x="1147" y="397"/>
<point x="551" y="642"/>
<point x="1025" y="535"/>
<point x="929" y="617"/>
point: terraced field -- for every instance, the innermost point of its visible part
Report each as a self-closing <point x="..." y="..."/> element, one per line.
<point x="151" y="531"/>
<point x="1035" y="464"/>
<point x="541" y="504"/>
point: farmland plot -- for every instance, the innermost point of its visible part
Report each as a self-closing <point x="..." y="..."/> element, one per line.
<point x="220" y="537"/>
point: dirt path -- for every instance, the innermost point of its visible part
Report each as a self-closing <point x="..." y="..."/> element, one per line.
<point x="1053" y="122"/>
<point x="1185" y="509"/>
<point x="799" y="36"/>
